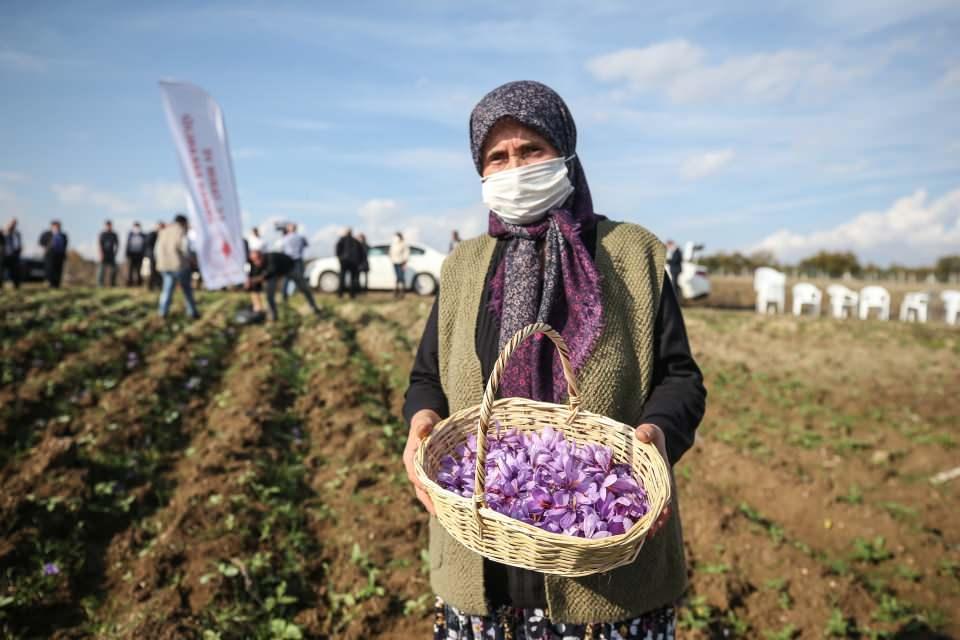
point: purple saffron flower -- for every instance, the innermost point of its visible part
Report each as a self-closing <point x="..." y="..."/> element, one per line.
<point x="542" y="479"/>
<point x="51" y="569"/>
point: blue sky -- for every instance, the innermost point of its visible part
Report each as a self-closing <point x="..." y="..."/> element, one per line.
<point x="784" y="126"/>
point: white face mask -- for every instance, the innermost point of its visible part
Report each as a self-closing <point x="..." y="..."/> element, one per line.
<point x="525" y="194"/>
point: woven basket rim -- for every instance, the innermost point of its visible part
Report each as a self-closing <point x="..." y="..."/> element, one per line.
<point x="639" y="529"/>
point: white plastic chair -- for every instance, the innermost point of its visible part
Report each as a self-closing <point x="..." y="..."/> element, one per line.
<point x="874" y="297"/>
<point x="806" y="295"/>
<point x="914" y="307"/>
<point x="770" y="286"/>
<point x="843" y="301"/>
<point x="951" y="304"/>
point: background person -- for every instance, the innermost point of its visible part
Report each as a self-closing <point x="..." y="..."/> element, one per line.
<point x="54" y="243"/>
<point x="136" y="248"/>
<point x="549" y="257"/>
<point x="675" y="263"/>
<point x="275" y="267"/>
<point x="109" y="245"/>
<point x="173" y="264"/>
<point x="12" y="246"/>
<point x="294" y="244"/>
<point x="363" y="269"/>
<point x="153" y="280"/>
<point x="454" y="240"/>
<point x="399" y="254"/>
<point x="349" y="254"/>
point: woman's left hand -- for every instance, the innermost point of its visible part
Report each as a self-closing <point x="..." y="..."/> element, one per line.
<point x="652" y="434"/>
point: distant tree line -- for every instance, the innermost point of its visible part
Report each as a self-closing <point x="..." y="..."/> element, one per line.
<point x="833" y="264"/>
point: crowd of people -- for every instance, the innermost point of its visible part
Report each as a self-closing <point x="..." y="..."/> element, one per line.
<point x="163" y="258"/>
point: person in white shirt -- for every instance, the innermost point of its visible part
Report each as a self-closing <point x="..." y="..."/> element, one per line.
<point x="399" y="254"/>
<point x="254" y="241"/>
<point x="294" y="245"/>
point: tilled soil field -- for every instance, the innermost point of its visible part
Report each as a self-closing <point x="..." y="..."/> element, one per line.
<point x="206" y="480"/>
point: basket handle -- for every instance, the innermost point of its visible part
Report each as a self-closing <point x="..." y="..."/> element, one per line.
<point x="489" y="395"/>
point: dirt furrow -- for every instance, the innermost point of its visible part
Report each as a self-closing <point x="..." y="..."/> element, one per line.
<point x="847" y="540"/>
<point x="91" y="475"/>
<point x="43" y="349"/>
<point x="212" y="549"/>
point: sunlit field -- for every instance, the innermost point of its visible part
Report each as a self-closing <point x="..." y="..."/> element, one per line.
<point x="208" y="480"/>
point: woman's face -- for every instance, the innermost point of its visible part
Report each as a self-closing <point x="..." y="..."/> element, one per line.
<point x="510" y="145"/>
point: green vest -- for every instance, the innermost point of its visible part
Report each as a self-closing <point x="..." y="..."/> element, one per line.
<point x="615" y="381"/>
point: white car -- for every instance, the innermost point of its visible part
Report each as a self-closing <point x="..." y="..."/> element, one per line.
<point x="422" y="273"/>
<point x="694" y="279"/>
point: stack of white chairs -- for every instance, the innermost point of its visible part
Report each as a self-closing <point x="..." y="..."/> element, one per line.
<point x="914" y="307"/>
<point x="951" y="306"/>
<point x="843" y="301"/>
<point x="874" y="297"/>
<point x="770" y="286"/>
<point x="806" y="295"/>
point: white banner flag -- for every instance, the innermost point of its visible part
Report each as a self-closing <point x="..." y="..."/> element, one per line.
<point x="200" y="135"/>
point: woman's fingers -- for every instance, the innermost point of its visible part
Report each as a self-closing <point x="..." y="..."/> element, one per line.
<point x="652" y="434"/>
<point x="420" y="427"/>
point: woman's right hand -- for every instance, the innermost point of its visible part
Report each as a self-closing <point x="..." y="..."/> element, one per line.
<point x="420" y="427"/>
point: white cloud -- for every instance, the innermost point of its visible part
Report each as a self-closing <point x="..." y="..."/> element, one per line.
<point x="167" y="196"/>
<point x="679" y="69"/>
<point x="83" y="195"/>
<point x="300" y="124"/>
<point x="951" y="79"/>
<point x="21" y="61"/>
<point x="245" y="153"/>
<point x="380" y="218"/>
<point x="706" y="164"/>
<point x="914" y="229"/>
<point x="13" y="176"/>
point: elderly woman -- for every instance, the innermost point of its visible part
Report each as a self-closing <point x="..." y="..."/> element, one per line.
<point x="549" y="257"/>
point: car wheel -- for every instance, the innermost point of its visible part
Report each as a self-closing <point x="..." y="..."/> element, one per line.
<point x="424" y="284"/>
<point x="329" y="282"/>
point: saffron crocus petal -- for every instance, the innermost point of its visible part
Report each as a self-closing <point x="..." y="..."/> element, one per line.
<point x="544" y="480"/>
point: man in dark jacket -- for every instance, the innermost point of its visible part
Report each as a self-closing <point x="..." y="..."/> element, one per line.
<point x="109" y="245"/>
<point x="675" y="265"/>
<point x="273" y="268"/>
<point x="350" y="254"/>
<point x="136" y="248"/>
<point x="153" y="280"/>
<point x="12" y="246"/>
<point x="54" y="243"/>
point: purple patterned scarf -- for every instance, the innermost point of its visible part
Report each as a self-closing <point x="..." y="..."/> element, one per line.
<point x="566" y="292"/>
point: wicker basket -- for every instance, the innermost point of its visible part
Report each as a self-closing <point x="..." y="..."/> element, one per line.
<point x="509" y="541"/>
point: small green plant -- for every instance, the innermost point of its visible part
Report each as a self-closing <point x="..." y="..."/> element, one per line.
<point x="871" y="551"/>
<point x="853" y="496"/>
<point x="838" y="625"/>
<point x="696" y="614"/>
<point x="786" y="633"/>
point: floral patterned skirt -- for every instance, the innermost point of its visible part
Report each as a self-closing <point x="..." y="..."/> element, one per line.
<point x="530" y="624"/>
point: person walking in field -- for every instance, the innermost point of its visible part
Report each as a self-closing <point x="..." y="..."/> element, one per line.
<point x="109" y="245"/>
<point x="549" y="257"/>
<point x="349" y="253"/>
<point x="399" y="255"/>
<point x="273" y="268"/>
<point x="136" y="248"/>
<point x="54" y="243"/>
<point x="173" y="264"/>
<point x="12" y="246"/>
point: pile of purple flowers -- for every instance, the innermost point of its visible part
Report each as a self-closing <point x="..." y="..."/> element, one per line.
<point x="543" y="480"/>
